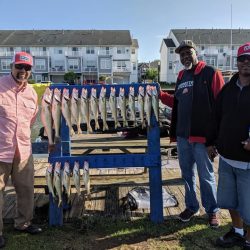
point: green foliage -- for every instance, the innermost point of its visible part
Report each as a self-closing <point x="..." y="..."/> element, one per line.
<point x="70" y="77"/>
<point x="31" y="81"/>
<point x="152" y="74"/>
<point x="102" y="78"/>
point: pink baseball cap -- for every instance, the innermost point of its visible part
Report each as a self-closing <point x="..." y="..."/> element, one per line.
<point x="244" y="49"/>
<point x="23" y="58"/>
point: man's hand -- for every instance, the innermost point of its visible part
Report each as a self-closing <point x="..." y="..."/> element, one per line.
<point x="212" y="152"/>
<point x="246" y="144"/>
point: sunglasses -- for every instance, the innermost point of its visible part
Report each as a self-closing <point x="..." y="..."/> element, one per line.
<point x="243" y="58"/>
<point x="26" y="67"/>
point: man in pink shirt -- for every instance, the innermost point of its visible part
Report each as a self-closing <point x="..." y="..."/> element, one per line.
<point x="18" y="109"/>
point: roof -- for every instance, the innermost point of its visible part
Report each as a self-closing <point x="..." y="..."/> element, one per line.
<point x="169" y="42"/>
<point x="213" y="36"/>
<point x="64" y="37"/>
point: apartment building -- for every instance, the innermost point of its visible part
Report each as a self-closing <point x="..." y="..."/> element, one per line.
<point x="112" y="54"/>
<point x="217" y="47"/>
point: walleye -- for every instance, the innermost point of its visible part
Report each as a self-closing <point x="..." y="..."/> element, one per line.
<point x="131" y="104"/>
<point x="85" y="176"/>
<point x="49" y="180"/>
<point x="94" y="107"/>
<point x="155" y="102"/>
<point x="74" y="107"/>
<point x="103" y="108"/>
<point x="141" y="105"/>
<point x="113" y="106"/>
<point x="76" y="177"/>
<point x="56" y="113"/>
<point x="66" y="178"/>
<point x="46" y="116"/>
<point x="57" y="182"/>
<point x="148" y="103"/>
<point x="66" y="110"/>
<point x="84" y="109"/>
<point x="122" y="104"/>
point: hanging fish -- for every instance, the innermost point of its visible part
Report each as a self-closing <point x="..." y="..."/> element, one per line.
<point x="76" y="177"/>
<point x="86" y="179"/>
<point x="113" y="106"/>
<point x="141" y="105"/>
<point x="49" y="180"/>
<point x="94" y="107"/>
<point x="58" y="182"/>
<point x="103" y="108"/>
<point x="56" y="113"/>
<point x="148" y="104"/>
<point x="122" y="104"/>
<point x="131" y="104"/>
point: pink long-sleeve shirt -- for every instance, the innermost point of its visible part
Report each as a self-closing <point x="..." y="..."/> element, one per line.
<point x="18" y="109"/>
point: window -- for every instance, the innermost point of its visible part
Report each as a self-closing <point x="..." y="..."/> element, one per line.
<point x="38" y="78"/>
<point x="40" y="64"/>
<point x="73" y="64"/>
<point x="170" y="65"/>
<point x="91" y="64"/>
<point x="105" y="63"/>
<point x="90" y="50"/>
<point x="134" y="66"/>
<point x="202" y="47"/>
<point x="74" y="49"/>
<point x="133" y="51"/>
<point x="234" y="62"/>
<point x="58" y="51"/>
<point x="121" y="65"/>
<point x="210" y="61"/>
<point x="121" y="50"/>
<point x="171" y="50"/>
<point x="5" y="64"/>
<point x="221" y="49"/>
<point x="26" y="49"/>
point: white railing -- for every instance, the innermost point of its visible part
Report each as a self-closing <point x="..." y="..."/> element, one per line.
<point x="39" y="53"/>
<point x="127" y="69"/>
<point x="7" y="53"/>
<point x="90" y="69"/>
<point x="73" y="53"/>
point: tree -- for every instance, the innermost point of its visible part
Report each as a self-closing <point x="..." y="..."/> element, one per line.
<point x="152" y="74"/>
<point x="70" y="77"/>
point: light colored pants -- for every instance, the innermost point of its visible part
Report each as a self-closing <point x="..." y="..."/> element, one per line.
<point x="22" y="175"/>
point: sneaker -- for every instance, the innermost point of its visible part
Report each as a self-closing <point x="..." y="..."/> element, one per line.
<point x="2" y="241"/>
<point x="187" y="214"/>
<point x="246" y="246"/>
<point x="231" y="239"/>
<point x="31" y="229"/>
<point x="213" y="220"/>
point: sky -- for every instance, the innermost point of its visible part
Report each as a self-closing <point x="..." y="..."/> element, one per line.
<point x="149" y="21"/>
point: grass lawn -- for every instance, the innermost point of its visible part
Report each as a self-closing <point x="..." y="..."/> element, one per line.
<point x="95" y="232"/>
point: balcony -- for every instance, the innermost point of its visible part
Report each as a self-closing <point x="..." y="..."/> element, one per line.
<point x="73" y="53"/>
<point x="105" y="52"/>
<point x="90" y="69"/>
<point x="57" y="69"/>
<point x="122" y="70"/>
<point x="7" y="53"/>
<point x="40" y="53"/>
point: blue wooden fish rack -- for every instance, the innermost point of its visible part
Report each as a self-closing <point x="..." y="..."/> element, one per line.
<point x="151" y="159"/>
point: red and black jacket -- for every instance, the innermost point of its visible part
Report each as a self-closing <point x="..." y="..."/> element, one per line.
<point x="207" y="84"/>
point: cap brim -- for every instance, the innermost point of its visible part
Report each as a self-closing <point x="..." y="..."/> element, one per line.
<point x="243" y="54"/>
<point x="178" y="50"/>
<point x="22" y="62"/>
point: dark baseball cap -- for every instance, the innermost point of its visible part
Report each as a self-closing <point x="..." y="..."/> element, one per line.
<point x="185" y="44"/>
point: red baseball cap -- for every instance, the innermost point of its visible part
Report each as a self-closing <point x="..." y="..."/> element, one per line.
<point x="23" y="58"/>
<point x="244" y="49"/>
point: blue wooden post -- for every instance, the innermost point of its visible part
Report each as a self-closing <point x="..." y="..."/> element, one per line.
<point x="155" y="178"/>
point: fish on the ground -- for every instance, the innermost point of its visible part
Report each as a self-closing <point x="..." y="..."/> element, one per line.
<point x="66" y="178"/>
<point x="49" y="180"/>
<point x="148" y="104"/>
<point x="94" y="107"/>
<point x="66" y="109"/>
<point x="122" y="104"/>
<point x="103" y="108"/>
<point x="57" y="181"/>
<point x="131" y="104"/>
<point x="155" y="102"/>
<point x="140" y="99"/>
<point x="74" y="107"/>
<point x="56" y="113"/>
<point x="85" y="109"/>
<point x="46" y="114"/>
<point x="86" y="178"/>
<point x="113" y="106"/>
<point x="76" y="177"/>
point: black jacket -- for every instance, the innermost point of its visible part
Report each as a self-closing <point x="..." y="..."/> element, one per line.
<point x="232" y="121"/>
<point x="207" y="83"/>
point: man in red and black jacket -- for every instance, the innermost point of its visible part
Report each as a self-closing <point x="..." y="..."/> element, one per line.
<point x="196" y="89"/>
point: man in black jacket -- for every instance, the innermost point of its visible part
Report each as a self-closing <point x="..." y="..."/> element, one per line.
<point x="232" y="137"/>
<point x="196" y="88"/>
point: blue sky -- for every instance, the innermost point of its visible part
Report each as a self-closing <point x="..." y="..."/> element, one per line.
<point x="148" y="20"/>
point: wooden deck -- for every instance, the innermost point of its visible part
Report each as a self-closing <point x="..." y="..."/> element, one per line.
<point x="108" y="186"/>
